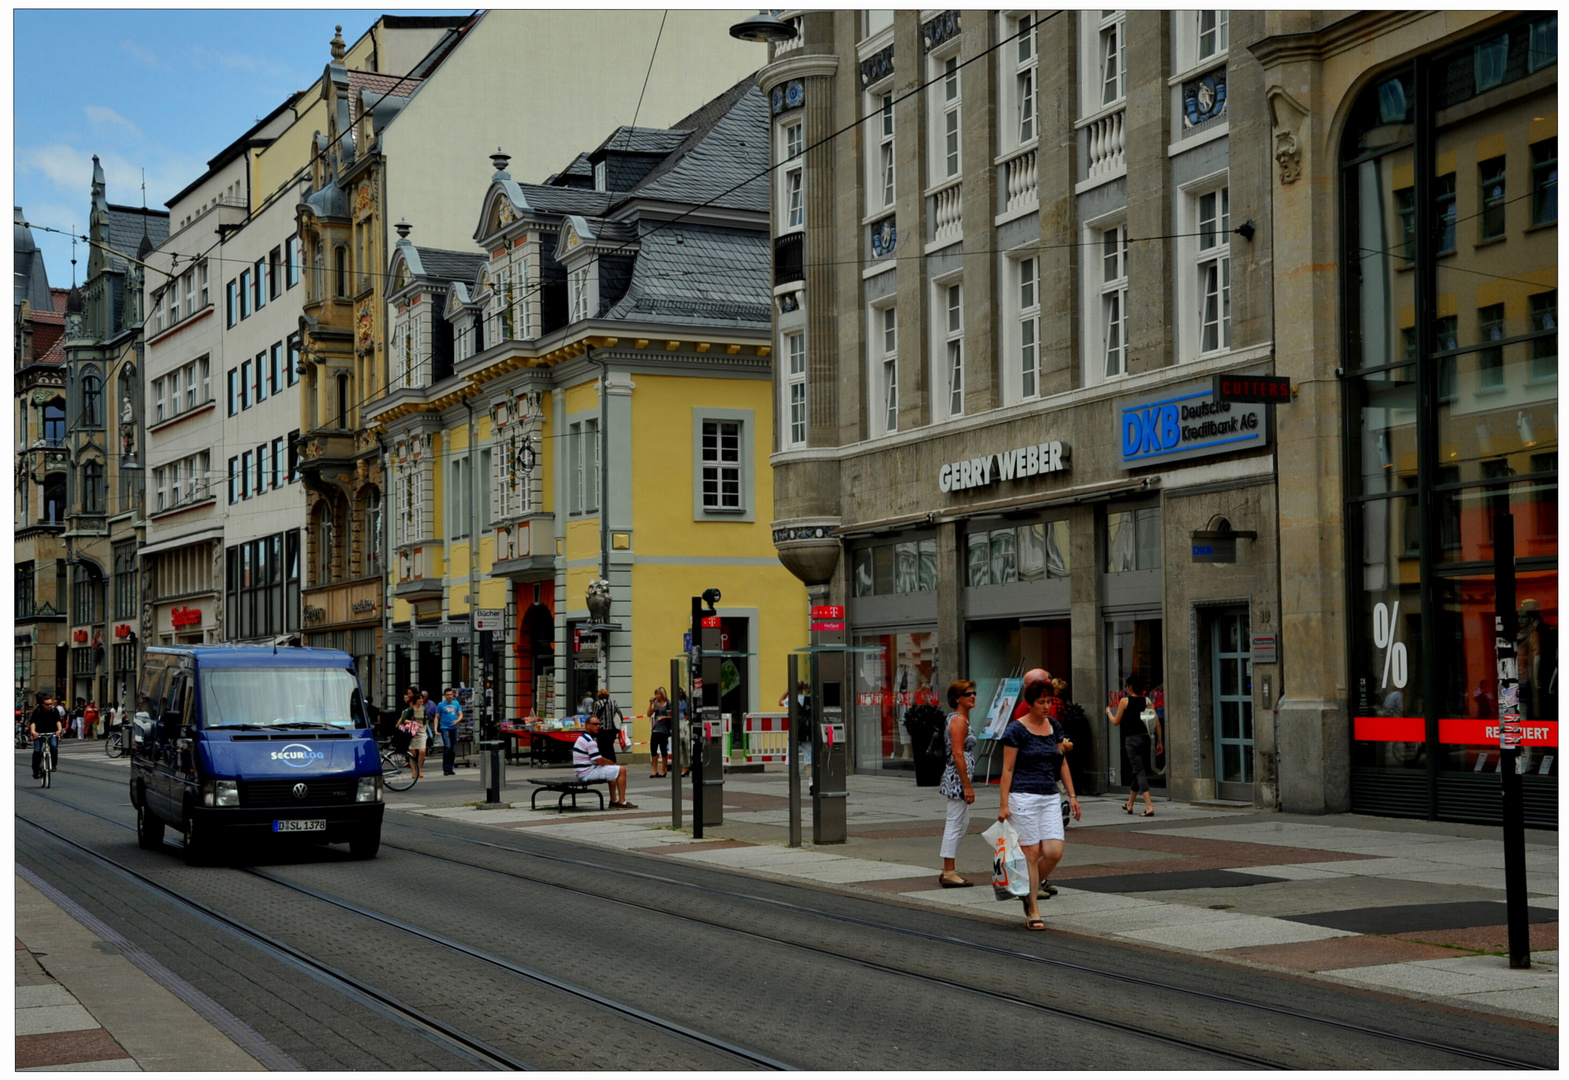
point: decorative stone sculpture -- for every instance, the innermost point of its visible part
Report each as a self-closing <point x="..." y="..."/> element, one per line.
<point x="599" y="601"/>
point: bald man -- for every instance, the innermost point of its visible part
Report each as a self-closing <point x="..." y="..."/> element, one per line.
<point x="1034" y="675"/>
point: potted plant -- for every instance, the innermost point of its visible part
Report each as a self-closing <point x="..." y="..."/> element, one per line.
<point x="924" y="722"/>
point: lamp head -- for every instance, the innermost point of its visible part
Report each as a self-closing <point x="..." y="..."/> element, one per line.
<point x="763" y="28"/>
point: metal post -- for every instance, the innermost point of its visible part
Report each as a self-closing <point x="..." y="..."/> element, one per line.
<point x="793" y="741"/>
<point x="473" y="524"/>
<point x="1506" y="625"/>
<point x="675" y="741"/>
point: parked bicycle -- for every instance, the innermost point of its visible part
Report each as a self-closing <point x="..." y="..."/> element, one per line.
<point x="114" y="742"/>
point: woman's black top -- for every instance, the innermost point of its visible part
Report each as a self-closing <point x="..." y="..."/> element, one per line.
<point x="661" y="719"/>
<point x="1133" y="717"/>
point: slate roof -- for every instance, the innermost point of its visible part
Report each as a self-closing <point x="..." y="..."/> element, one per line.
<point x="442" y="265"/>
<point x="701" y="276"/>
<point x="726" y="146"/>
<point x="639" y="140"/>
<point x="31" y="279"/>
<point x="126" y="228"/>
<point x="579" y="169"/>
<point x="567" y="200"/>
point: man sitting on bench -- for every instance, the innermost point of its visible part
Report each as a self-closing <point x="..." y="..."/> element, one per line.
<point x="591" y="767"/>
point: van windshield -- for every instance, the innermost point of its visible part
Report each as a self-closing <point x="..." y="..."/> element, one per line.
<point x="254" y="698"/>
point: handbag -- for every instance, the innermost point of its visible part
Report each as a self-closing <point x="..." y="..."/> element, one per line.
<point x="1010" y="873"/>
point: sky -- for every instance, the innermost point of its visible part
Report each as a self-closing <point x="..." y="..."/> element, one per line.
<point x="160" y="91"/>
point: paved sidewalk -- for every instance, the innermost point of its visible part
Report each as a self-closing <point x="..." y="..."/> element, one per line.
<point x="1411" y="908"/>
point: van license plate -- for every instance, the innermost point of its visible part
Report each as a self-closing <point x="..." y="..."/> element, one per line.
<point x="309" y="825"/>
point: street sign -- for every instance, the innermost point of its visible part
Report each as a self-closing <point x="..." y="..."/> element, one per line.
<point x="490" y="618"/>
<point x="1253" y="389"/>
<point x="827" y="611"/>
<point x="836" y="624"/>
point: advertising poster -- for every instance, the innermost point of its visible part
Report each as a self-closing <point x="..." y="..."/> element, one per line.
<point x="1003" y="701"/>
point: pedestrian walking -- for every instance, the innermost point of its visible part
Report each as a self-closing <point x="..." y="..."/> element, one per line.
<point x="76" y="718"/>
<point x="1031" y="767"/>
<point x="1129" y="717"/>
<point x="956" y="783"/>
<point x="413" y="722"/>
<point x="448" y="713"/>
<point x="659" y="733"/>
<point x="90" y="720"/>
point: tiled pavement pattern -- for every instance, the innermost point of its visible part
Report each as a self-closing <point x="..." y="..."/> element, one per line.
<point x="1408" y="908"/>
<point x="53" y="1031"/>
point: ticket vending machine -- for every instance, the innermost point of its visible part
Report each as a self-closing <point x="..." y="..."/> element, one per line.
<point x="830" y="752"/>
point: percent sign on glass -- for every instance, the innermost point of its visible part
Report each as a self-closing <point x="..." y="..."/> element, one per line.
<point x="1384" y="623"/>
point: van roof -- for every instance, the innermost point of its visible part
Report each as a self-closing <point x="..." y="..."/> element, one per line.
<point x="227" y="656"/>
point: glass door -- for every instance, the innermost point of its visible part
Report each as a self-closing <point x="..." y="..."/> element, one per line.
<point x="1232" y="679"/>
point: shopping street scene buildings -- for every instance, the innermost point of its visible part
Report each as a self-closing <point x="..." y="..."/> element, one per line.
<point x="394" y="358"/>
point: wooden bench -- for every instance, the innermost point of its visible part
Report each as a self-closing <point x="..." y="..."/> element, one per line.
<point x="568" y="789"/>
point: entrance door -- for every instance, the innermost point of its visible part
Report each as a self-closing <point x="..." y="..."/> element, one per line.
<point x="1232" y="687"/>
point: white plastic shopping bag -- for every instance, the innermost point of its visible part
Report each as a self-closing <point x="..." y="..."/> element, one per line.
<point x="1010" y="875"/>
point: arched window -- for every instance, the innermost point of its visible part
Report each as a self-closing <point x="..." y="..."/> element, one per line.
<point x="372" y="537"/>
<point x="54" y="500"/>
<point x="326" y="538"/>
<point x="93" y="488"/>
<point x="92" y="400"/>
<point x="54" y="424"/>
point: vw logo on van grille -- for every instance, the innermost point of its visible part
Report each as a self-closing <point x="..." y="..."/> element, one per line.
<point x="300" y="791"/>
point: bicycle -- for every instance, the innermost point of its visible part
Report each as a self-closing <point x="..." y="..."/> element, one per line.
<point x="397" y="772"/>
<point x="46" y="759"/>
<point x="114" y="743"/>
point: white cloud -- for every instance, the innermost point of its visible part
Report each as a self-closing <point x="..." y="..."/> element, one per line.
<point x="103" y="116"/>
<point x="71" y="172"/>
<point x="145" y="55"/>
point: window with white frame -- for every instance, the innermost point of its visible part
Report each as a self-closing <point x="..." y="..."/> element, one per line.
<point x="201" y="274"/>
<point x="189" y="282"/>
<point x="1027" y="338"/>
<point x="591" y="465"/>
<point x="721" y="466"/>
<point x="795" y="389"/>
<point x="174" y="302"/>
<point x="1110" y="274"/>
<point x="158" y="399"/>
<point x="880" y="187"/>
<point x="1213" y="33"/>
<point x="946" y="103"/>
<point x="459" y="503"/>
<point x="1018" y="110"/>
<point x="950" y="332"/>
<point x="884" y="374"/>
<point x="510" y="496"/>
<point x="1212" y="270"/>
<point x="582" y="288"/>
<point x="792" y="197"/>
<point x="410" y="488"/>
<point x="1111" y="59"/>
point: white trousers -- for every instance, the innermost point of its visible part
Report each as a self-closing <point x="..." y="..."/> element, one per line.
<point x="957" y="826"/>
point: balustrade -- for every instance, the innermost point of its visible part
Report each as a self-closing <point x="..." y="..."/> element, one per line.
<point x="1107" y="150"/>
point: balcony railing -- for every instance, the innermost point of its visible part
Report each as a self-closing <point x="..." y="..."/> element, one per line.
<point x="946" y="214"/>
<point x="787" y="259"/>
<point x="1017" y="177"/>
<point x="1107" y="149"/>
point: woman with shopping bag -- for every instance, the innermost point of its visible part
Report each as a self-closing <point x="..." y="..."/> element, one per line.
<point x="1031" y="767"/>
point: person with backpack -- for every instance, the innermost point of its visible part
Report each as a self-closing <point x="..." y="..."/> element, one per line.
<point x="1129" y="716"/>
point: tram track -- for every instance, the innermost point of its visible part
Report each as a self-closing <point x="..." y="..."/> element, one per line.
<point x="384" y="1001"/>
<point x="1141" y="1030"/>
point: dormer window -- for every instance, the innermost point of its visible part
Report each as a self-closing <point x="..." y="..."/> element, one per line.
<point x="601" y="180"/>
<point x="583" y="281"/>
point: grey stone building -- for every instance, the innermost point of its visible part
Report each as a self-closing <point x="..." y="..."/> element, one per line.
<point x="1001" y="296"/>
<point x="1006" y="236"/>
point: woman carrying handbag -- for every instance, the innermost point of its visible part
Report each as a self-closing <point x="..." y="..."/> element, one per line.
<point x="1129" y="716"/>
<point x="956" y="779"/>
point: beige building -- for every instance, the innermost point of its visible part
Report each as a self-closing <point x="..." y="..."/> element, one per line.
<point x="1012" y="252"/>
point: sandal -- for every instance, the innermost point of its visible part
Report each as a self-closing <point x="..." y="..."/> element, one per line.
<point x="1148" y="813"/>
<point x="1035" y="924"/>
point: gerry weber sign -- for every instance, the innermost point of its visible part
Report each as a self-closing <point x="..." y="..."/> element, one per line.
<point x="1187" y="422"/>
<point x="1015" y="464"/>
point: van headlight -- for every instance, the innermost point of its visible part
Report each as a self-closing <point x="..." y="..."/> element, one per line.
<point x="369" y="790"/>
<point x="221" y="793"/>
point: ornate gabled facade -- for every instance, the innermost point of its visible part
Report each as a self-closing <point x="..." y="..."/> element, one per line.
<point x="607" y="412"/>
<point x="105" y="515"/>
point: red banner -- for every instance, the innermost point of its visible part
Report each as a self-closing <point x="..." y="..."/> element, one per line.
<point x="825" y="626"/>
<point x="828" y="611"/>
<point x="1452" y="732"/>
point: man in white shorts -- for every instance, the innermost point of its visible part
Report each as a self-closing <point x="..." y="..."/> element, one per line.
<point x="592" y="767"/>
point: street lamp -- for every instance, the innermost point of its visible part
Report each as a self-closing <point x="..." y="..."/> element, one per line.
<point x="765" y="27"/>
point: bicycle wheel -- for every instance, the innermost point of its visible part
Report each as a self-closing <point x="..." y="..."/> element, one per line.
<point x="396" y="772"/>
<point x="46" y="767"/>
<point x="113" y="746"/>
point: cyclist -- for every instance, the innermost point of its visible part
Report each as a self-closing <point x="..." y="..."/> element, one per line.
<point x="44" y="727"/>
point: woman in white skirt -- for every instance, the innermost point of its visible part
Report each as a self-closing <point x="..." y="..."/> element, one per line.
<point x="413" y="719"/>
<point x="955" y="782"/>
<point x="1031" y="766"/>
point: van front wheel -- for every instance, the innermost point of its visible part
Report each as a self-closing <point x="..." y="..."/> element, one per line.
<point x="366" y="844"/>
<point x="149" y="829"/>
<point x="195" y="850"/>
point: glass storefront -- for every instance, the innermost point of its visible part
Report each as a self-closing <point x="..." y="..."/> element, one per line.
<point x="1449" y="177"/>
<point x="1133" y="645"/>
<point x="897" y="671"/>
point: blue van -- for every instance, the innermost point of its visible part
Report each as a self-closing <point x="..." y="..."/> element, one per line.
<point x="236" y="742"/>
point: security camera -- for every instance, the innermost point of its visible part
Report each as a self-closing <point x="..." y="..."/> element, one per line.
<point x="710" y="597"/>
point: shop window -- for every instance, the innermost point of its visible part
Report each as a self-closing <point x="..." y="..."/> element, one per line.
<point x="908" y="566"/>
<point x="1025" y="552"/>
<point x="1133" y="540"/>
<point x="894" y="673"/>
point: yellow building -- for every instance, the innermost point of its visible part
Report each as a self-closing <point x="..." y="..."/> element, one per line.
<point x="588" y="393"/>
